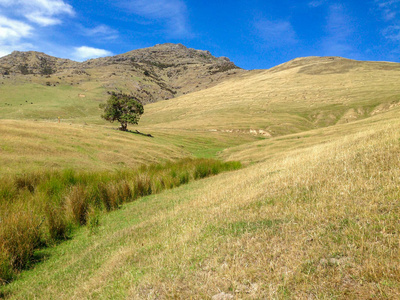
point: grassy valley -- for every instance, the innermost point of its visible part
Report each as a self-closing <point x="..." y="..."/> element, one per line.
<point x="313" y="214"/>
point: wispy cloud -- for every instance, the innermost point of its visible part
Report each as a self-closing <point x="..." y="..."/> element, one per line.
<point x="390" y="10"/>
<point x="172" y="13"/>
<point x="19" y="20"/>
<point x="84" y="53"/>
<point x="41" y="12"/>
<point x="12" y="30"/>
<point x="102" y="32"/>
<point x="339" y="31"/>
<point x="316" y="3"/>
<point x="275" y="33"/>
<point x="12" y="33"/>
<point x="392" y="33"/>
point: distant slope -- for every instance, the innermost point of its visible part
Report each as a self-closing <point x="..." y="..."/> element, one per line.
<point x="151" y="74"/>
<point x="303" y="94"/>
<point x="28" y="146"/>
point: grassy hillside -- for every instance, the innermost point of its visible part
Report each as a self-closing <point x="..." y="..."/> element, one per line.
<point x="28" y="146"/>
<point x="33" y="101"/>
<point x="288" y="99"/>
<point x="293" y="98"/>
<point x="263" y="150"/>
<point x="319" y="222"/>
<point x="314" y="215"/>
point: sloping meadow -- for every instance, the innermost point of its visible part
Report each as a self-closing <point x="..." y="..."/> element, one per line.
<point x="39" y="209"/>
<point x="320" y="222"/>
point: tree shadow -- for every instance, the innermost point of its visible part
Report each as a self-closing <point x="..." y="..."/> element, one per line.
<point x="140" y="133"/>
<point x="134" y="132"/>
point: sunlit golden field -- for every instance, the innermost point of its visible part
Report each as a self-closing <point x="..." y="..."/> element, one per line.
<point x="314" y="214"/>
<point x="295" y="97"/>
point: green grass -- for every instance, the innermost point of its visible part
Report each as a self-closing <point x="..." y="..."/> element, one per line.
<point x="43" y="208"/>
<point x="40" y="102"/>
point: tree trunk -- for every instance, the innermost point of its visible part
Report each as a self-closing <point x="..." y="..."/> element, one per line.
<point x="124" y="126"/>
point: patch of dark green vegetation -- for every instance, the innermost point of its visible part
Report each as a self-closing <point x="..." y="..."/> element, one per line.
<point x="23" y="68"/>
<point x="222" y="68"/>
<point x="42" y="209"/>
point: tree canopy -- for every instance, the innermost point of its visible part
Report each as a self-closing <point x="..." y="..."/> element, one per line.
<point x="122" y="108"/>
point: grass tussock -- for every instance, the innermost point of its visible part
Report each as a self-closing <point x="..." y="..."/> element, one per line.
<point x="19" y="237"/>
<point x="43" y="208"/>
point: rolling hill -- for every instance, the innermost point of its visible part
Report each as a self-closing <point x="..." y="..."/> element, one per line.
<point x="303" y="94"/>
<point x="312" y="215"/>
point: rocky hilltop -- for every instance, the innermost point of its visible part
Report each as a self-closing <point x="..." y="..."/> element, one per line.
<point x="32" y="62"/>
<point x="151" y="74"/>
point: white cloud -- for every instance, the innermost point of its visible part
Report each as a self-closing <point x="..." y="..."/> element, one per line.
<point x="172" y="13"/>
<point x="12" y="32"/>
<point x="42" y="20"/>
<point x="276" y="33"/>
<point x="84" y="53"/>
<point x="4" y="52"/>
<point x="17" y="16"/>
<point x="102" y="32"/>
<point x="42" y="12"/>
<point x="7" y="49"/>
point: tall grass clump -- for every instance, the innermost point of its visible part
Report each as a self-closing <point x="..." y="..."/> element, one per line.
<point x="42" y="208"/>
<point x="19" y="237"/>
<point x="77" y="204"/>
<point x="56" y="222"/>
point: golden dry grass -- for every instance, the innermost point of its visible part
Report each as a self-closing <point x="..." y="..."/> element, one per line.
<point x="319" y="222"/>
<point x="285" y="100"/>
<point x="274" y="147"/>
<point x="26" y="146"/>
<point x="315" y="215"/>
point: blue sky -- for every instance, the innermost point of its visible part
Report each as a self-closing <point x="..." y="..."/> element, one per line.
<point x="255" y="34"/>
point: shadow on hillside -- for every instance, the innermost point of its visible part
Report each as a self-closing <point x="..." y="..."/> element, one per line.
<point x="135" y="132"/>
<point x="138" y="132"/>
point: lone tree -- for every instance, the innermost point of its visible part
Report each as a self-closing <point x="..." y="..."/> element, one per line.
<point x="123" y="108"/>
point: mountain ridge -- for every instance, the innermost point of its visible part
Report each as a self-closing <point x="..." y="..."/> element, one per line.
<point x="151" y="74"/>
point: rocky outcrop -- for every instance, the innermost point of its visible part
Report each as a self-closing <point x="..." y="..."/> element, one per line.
<point x="150" y="74"/>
